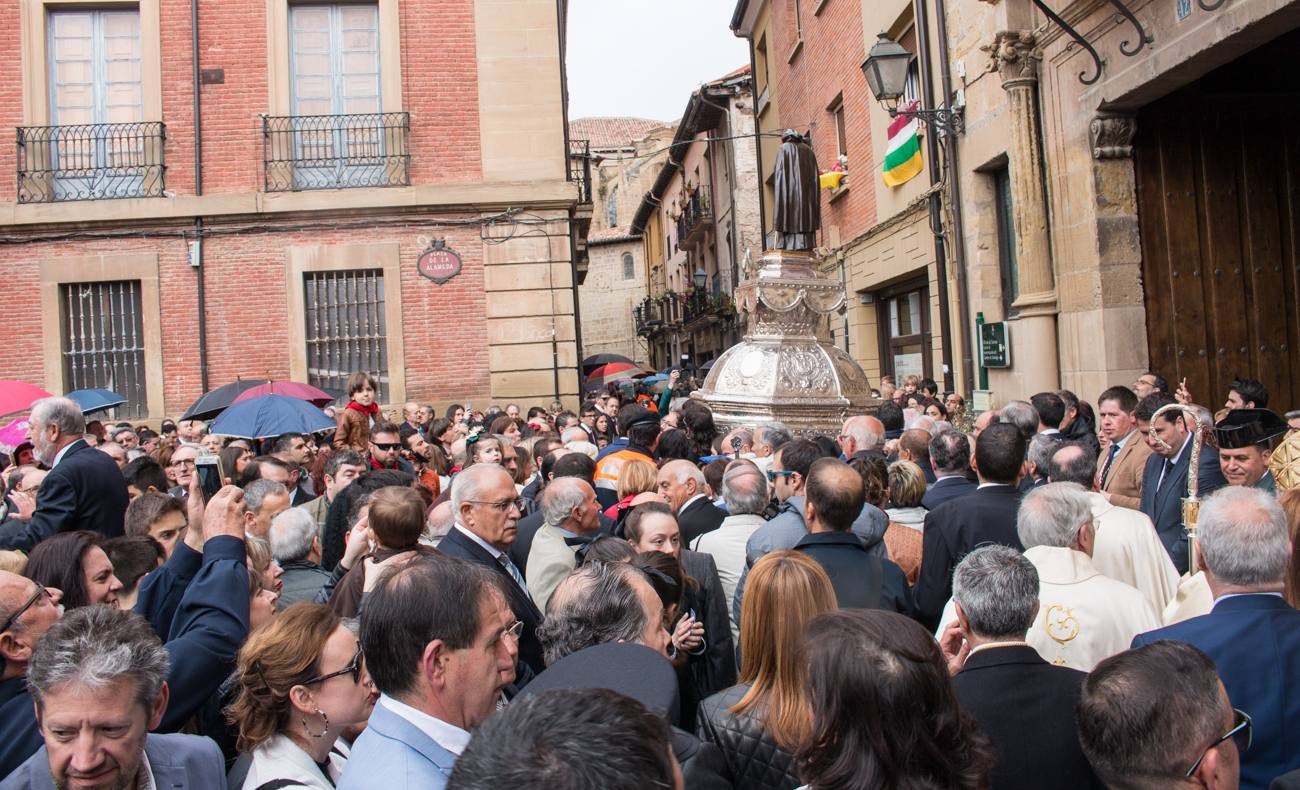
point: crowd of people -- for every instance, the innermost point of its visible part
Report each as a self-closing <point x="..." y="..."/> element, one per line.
<point x="628" y="596"/>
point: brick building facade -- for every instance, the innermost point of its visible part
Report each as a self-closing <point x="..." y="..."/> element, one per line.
<point x="337" y="143"/>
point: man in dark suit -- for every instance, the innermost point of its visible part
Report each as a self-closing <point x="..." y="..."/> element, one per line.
<point x="950" y="458"/>
<point x="1164" y="479"/>
<point x="84" y="488"/>
<point x="681" y="484"/>
<point x="485" y="503"/>
<point x="834" y="495"/>
<point x="1251" y="633"/>
<point x="1022" y="703"/>
<point x="956" y="527"/>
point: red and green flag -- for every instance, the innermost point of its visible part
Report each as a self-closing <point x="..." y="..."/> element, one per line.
<point x="903" y="149"/>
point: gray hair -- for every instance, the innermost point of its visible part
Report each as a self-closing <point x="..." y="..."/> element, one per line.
<point x="574" y="434"/>
<point x="997" y="588"/>
<point x="466" y="485"/>
<point x="62" y="412"/>
<point x="291" y="534"/>
<point x="742" y="496"/>
<point x="682" y="470"/>
<point x="561" y="497"/>
<point x="95" y="646"/>
<point x="1021" y="414"/>
<point x="863" y="433"/>
<point x="772" y="434"/>
<point x="256" y="492"/>
<point x="1052" y="515"/>
<point x="1243" y="537"/>
<point x="594" y="605"/>
<point x="1040" y="451"/>
<point x="1081" y="468"/>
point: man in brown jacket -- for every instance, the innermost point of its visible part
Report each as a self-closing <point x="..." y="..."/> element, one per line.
<point x="1125" y="454"/>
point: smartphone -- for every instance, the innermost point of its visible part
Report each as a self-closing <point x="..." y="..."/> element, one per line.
<point x="211" y="476"/>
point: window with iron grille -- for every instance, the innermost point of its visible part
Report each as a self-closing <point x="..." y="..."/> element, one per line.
<point x="346" y="328"/>
<point x="103" y="341"/>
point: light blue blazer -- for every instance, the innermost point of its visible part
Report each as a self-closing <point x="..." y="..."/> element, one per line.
<point x="395" y="754"/>
<point x="178" y="762"/>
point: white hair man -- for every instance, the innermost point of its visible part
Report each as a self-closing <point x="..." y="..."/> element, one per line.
<point x="83" y="490"/>
<point x="572" y="519"/>
<point x="295" y="545"/>
<point x="1083" y="615"/>
<point x="1252" y="634"/>
<point x="1126" y="547"/>
<point x="682" y="486"/>
<point x="744" y="489"/>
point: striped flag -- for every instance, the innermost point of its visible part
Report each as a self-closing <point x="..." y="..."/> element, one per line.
<point x="903" y="151"/>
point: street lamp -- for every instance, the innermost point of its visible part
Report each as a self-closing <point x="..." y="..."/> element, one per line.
<point x="701" y="279"/>
<point x="886" y="69"/>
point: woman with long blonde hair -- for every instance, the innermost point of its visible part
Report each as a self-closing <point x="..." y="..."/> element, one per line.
<point x="785" y="590"/>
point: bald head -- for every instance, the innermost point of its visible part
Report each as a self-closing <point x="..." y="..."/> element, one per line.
<point x="472" y="482"/>
<point x="834" y="495"/>
<point x="861" y="433"/>
<point x="1073" y="463"/>
<point x="18" y="640"/>
<point x="744" y="489"/>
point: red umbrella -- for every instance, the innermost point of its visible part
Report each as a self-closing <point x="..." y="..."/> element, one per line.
<point x="17" y="396"/>
<point x="611" y="372"/>
<point x="289" y="389"/>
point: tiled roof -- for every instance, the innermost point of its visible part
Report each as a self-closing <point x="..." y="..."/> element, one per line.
<point x="618" y="132"/>
<point x="609" y="235"/>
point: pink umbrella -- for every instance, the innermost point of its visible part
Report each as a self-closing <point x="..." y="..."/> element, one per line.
<point x="18" y="396"/>
<point x="289" y="389"/>
<point x="13" y="434"/>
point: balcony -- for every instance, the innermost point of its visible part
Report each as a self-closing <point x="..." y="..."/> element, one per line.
<point x="98" y="161"/>
<point x="580" y="168"/>
<point x="702" y="306"/>
<point x="303" y="152"/>
<point x="656" y="313"/>
<point x="696" y="219"/>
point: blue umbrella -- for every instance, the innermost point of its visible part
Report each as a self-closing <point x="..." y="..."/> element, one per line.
<point x="270" y="415"/>
<point x="94" y="400"/>
<point x="655" y="379"/>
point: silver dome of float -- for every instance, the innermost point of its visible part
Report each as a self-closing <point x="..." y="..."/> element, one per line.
<point x="785" y="367"/>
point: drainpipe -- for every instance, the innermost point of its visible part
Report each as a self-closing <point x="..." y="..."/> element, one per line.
<point x="936" y="200"/>
<point x="958" y="228"/>
<point x="196" y="255"/>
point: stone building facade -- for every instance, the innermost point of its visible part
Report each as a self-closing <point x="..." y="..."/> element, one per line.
<point x="261" y="206"/>
<point x="626" y="154"/>
<point x="700" y="222"/>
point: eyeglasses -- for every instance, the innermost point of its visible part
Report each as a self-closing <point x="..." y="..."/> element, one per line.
<point x="515" y="630"/>
<point x="184" y="462"/>
<point x="503" y="506"/>
<point x="389" y="446"/>
<point x="353" y="669"/>
<point x="1242" y="733"/>
<point x="13" y="618"/>
<point x="772" y="474"/>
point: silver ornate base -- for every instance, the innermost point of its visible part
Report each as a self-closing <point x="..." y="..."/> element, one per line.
<point x="783" y="370"/>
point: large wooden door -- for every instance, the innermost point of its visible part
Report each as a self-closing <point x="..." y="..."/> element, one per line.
<point x="1218" y="177"/>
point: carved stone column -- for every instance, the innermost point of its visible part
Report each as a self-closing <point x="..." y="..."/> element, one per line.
<point x="1016" y="56"/>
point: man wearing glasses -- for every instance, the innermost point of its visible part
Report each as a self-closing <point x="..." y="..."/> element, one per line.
<point x="487" y="512"/>
<point x="1157" y="716"/>
<point x="386" y="448"/>
<point x="1252" y="634"/>
<point x="27" y="610"/>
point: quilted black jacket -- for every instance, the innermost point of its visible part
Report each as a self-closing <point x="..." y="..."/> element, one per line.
<point x="753" y="759"/>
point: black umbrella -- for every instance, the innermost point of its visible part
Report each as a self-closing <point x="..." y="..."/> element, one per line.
<point x="596" y="360"/>
<point x="213" y="402"/>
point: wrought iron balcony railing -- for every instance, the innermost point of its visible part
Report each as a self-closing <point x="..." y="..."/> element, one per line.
<point x="580" y="168"/>
<point x="697" y="214"/>
<point x="335" y="151"/>
<point x="96" y="161"/>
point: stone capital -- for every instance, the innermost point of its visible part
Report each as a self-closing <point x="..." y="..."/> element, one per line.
<point x="1016" y="55"/>
<point x="1035" y="304"/>
<point x="1111" y="136"/>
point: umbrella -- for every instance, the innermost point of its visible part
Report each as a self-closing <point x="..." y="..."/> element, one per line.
<point x="270" y="415"/>
<point x="16" y="396"/>
<point x="708" y="365"/>
<point x="654" y="379"/>
<point x="94" y="400"/>
<point x="611" y="372"/>
<point x="13" y="434"/>
<point x="211" y="403"/>
<point x="596" y="360"/>
<point x="290" y="389"/>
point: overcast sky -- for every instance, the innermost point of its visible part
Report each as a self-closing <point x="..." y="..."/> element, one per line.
<point x="644" y="57"/>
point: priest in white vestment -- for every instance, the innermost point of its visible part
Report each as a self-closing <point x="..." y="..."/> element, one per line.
<point x="1126" y="547"/>
<point x="1084" y="616"/>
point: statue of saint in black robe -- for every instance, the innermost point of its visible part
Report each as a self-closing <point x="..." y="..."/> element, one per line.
<point x="798" y="211"/>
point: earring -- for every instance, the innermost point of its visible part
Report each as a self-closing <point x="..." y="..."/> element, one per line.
<point x="324" y="729"/>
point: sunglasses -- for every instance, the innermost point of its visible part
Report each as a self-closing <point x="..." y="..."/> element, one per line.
<point x="353" y="668"/>
<point x="1242" y="733"/>
<point x="13" y="618"/>
<point x="774" y="473"/>
<point x="389" y="446"/>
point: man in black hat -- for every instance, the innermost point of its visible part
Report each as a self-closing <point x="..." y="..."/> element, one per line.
<point x="1245" y="438"/>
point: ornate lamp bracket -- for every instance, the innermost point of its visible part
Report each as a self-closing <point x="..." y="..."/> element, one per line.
<point x="1144" y="37"/>
<point x="1079" y="39"/>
